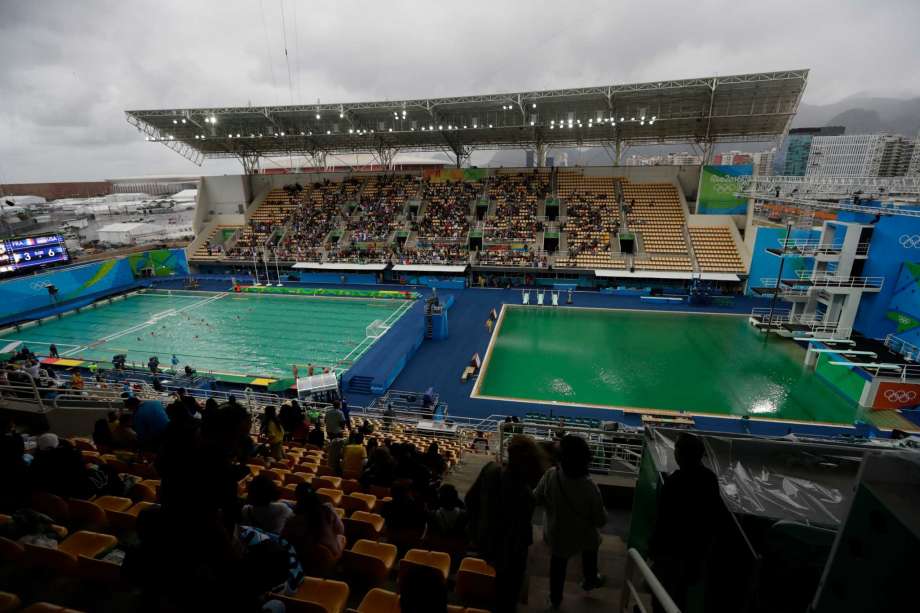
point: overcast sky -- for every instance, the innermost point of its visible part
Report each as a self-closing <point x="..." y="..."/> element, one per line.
<point x="68" y="69"/>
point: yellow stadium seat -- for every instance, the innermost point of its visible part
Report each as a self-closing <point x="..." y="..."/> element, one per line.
<point x="369" y="562"/>
<point x="475" y="582"/>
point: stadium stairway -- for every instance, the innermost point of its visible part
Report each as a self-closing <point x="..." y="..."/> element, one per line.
<point x="360" y="385"/>
<point x="611" y="556"/>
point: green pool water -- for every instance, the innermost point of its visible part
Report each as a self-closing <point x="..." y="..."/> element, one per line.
<point x="638" y="359"/>
<point x="226" y="332"/>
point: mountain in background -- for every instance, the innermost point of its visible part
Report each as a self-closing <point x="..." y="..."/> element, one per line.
<point x="860" y="114"/>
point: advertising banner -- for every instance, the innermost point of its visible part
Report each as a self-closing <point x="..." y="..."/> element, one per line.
<point x="718" y="186"/>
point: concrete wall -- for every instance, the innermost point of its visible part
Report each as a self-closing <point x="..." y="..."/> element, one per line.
<point x="224" y="195"/>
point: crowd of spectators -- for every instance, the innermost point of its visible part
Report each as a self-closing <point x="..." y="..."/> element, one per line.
<point x="516" y="197"/>
<point x="435" y="253"/>
<point x="312" y="222"/>
<point x="380" y="204"/>
<point x="448" y="210"/>
<point x="525" y="257"/>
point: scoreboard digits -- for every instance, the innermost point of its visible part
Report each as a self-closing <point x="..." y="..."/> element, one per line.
<point x="20" y="255"/>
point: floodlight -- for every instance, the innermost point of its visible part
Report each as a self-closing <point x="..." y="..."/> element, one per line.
<point x="341" y="115"/>
<point x="534" y="105"/>
<point x="174" y="121"/>
<point x="317" y="115"/>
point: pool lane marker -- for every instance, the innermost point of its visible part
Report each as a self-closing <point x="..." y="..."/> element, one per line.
<point x="154" y="319"/>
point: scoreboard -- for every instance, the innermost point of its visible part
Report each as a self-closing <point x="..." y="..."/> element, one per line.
<point x="22" y="255"/>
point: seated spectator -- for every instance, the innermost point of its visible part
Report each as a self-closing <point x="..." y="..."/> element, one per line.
<point x="313" y="522"/>
<point x="449" y="517"/>
<point x="380" y="469"/>
<point x="404" y="511"/>
<point x="57" y="467"/>
<point x="263" y="510"/>
<point x="354" y="455"/>
<point x="123" y="434"/>
<point x="480" y="443"/>
<point x="14" y="473"/>
<point x="434" y="462"/>
<point x="316" y="436"/>
<point x="366" y="428"/>
<point x="102" y="436"/>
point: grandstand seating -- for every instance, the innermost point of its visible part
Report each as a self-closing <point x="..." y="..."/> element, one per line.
<point x="201" y="252"/>
<point x="655" y="212"/>
<point x="447" y="209"/>
<point x="592" y="217"/>
<point x="715" y="249"/>
<point x="356" y="219"/>
<point x="677" y="263"/>
<point x="515" y="196"/>
<point x="273" y="213"/>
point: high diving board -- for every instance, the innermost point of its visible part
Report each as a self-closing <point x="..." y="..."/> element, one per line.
<point x="808" y="339"/>
<point x="844" y="352"/>
<point x="869" y="365"/>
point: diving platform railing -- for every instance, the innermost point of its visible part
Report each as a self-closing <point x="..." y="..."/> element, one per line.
<point x="898" y="345"/>
<point x="830" y="280"/>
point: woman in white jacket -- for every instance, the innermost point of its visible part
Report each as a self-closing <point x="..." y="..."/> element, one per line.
<point x="574" y="515"/>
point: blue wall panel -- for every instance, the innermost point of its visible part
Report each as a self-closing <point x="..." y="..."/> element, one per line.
<point x="895" y="241"/>
<point x="27" y="297"/>
<point x="766" y="265"/>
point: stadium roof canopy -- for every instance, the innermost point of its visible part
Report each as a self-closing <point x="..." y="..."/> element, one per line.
<point x="750" y="107"/>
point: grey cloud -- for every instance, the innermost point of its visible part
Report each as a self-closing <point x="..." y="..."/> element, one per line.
<point x="69" y="69"/>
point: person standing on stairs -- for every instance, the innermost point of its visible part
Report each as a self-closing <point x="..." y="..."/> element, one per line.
<point x="575" y="514"/>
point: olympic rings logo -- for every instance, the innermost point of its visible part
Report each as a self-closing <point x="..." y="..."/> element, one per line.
<point x="900" y="396"/>
<point x="909" y="241"/>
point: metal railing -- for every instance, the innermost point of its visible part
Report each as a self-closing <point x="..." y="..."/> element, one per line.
<point x="23" y="394"/>
<point x="902" y="347"/>
<point x="808" y="246"/>
<point x="773" y="282"/>
<point x="830" y="280"/>
<point x="616" y="452"/>
<point x="631" y="599"/>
